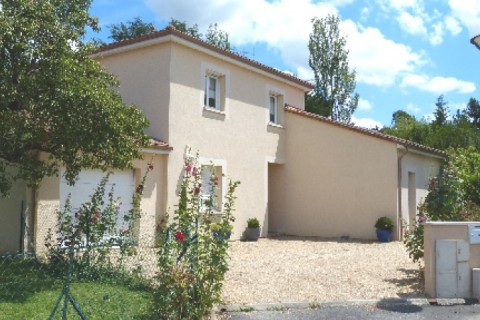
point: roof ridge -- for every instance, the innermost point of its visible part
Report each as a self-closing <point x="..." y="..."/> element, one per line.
<point x="373" y="133"/>
<point x="228" y="53"/>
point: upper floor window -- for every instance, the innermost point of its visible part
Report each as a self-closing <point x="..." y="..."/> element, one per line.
<point x="212" y="92"/>
<point x="273" y="108"/>
<point x="275" y="103"/>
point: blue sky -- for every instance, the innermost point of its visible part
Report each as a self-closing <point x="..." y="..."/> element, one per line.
<point x="406" y="52"/>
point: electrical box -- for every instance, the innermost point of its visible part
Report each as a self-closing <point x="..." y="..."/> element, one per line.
<point x="474" y="233"/>
<point x="453" y="273"/>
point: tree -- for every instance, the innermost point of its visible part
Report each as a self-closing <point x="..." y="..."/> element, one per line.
<point x="132" y="29"/>
<point x="335" y="84"/>
<point x="217" y="37"/>
<point x="441" y="112"/>
<point x="473" y="111"/>
<point x="58" y="106"/>
<point x="182" y="26"/>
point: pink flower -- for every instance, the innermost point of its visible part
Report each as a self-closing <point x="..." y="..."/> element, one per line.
<point x="422" y="219"/>
<point x="188" y="168"/>
<point x="180" y="236"/>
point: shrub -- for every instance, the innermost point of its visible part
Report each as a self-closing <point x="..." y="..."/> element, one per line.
<point x="384" y="223"/>
<point x="253" y="223"/>
<point x="192" y="261"/>
<point x="452" y="196"/>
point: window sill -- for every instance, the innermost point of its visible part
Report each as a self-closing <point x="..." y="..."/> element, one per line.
<point x="275" y="125"/>
<point x="213" y="110"/>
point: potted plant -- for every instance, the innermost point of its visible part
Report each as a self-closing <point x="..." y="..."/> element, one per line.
<point x="384" y="226"/>
<point x="221" y="230"/>
<point x="253" y="229"/>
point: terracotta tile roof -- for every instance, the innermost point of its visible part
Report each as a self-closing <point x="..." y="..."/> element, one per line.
<point x="372" y="133"/>
<point x="159" y="144"/>
<point x="169" y="31"/>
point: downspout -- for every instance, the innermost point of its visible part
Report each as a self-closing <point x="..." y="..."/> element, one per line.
<point x="399" y="191"/>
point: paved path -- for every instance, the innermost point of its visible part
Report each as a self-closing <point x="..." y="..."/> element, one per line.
<point x="383" y="309"/>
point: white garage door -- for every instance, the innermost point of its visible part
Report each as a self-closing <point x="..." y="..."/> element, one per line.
<point x="121" y="181"/>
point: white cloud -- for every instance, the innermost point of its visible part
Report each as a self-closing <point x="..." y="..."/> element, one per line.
<point x="364" y="105"/>
<point x="412" y="24"/>
<point x="437" y="85"/>
<point x="377" y="60"/>
<point x="436" y="37"/>
<point x="413" y="108"/>
<point x="366" y="123"/>
<point x="452" y="25"/>
<point x="467" y="12"/>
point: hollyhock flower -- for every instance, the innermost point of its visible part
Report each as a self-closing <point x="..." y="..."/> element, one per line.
<point x="196" y="191"/>
<point x="180" y="236"/>
<point x="214" y="179"/>
<point x="188" y="168"/>
<point x="422" y="219"/>
<point x="140" y="188"/>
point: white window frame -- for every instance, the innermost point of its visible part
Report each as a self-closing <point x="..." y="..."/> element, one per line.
<point x="220" y="167"/>
<point x="274" y="111"/>
<point x="216" y="94"/>
<point x="273" y="108"/>
<point x="222" y="77"/>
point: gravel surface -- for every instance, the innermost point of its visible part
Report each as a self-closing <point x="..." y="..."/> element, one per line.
<point x="293" y="269"/>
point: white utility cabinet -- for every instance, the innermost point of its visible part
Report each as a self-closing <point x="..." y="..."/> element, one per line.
<point x="453" y="273"/>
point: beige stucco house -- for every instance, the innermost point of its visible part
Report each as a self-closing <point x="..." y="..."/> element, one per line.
<point x="300" y="174"/>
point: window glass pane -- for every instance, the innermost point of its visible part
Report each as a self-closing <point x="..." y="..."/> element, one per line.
<point x="212" y="92"/>
<point x="273" y="108"/>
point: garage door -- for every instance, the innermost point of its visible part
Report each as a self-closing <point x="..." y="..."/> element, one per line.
<point x="81" y="192"/>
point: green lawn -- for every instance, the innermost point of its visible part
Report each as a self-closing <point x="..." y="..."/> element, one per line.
<point x="28" y="290"/>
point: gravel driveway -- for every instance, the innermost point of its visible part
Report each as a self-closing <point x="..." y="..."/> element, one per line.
<point x="293" y="269"/>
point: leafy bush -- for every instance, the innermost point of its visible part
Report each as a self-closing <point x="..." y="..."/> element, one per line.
<point x="452" y="196"/>
<point x="191" y="259"/>
<point x="384" y="223"/>
<point x="253" y="223"/>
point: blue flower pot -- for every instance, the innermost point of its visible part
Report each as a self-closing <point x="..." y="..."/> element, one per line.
<point x="222" y="235"/>
<point x="384" y="235"/>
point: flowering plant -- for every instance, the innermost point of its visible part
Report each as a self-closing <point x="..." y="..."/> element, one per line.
<point x="191" y="259"/>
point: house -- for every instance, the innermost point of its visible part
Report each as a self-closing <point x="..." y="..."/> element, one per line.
<point x="301" y="174"/>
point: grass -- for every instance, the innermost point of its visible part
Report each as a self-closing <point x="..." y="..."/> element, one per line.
<point x="29" y="290"/>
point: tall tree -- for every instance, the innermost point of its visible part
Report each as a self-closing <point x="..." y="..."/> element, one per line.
<point x="55" y="100"/>
<point x="441" y="111"/>
<point x="217" y="37"/>
<point x="335" y="84"/>
<point x="132" y="29"/>
<point x="473" y="111"/>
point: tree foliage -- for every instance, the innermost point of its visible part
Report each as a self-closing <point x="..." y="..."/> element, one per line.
<point x="335" y="84"/>
<point x="217" y="37"/>
<point x="440" y="133"/>
<point x="137" y="27"/>
<point x="55" y="99"/>
<point x="132" y="29"/>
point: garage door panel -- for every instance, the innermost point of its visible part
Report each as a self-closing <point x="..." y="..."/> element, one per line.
<point x="122" y="183"/>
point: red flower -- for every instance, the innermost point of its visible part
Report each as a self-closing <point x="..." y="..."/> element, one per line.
<point x="150" y="166"/>
<point x="140" y="188"/>
<point x="180" y="236"/>
<point x="94" y="219"/>
<point x="197" y="190"/>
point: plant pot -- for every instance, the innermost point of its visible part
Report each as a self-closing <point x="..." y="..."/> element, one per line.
<point x="384" y="235"/>
<point x="252" y="234"/>
<point x="222" y="235"/>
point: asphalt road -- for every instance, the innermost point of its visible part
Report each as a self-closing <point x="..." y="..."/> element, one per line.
<point x="384" y="311"/>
